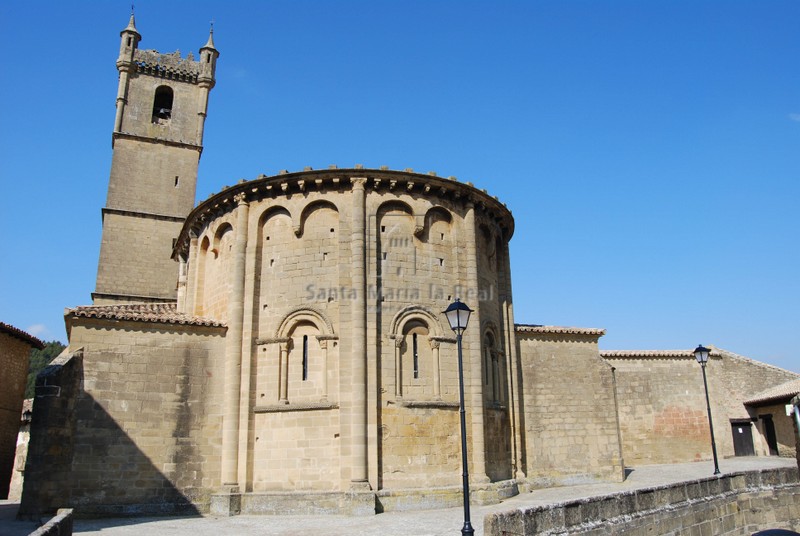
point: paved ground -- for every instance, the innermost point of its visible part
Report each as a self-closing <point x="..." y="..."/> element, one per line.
<point x="417" y="523"/>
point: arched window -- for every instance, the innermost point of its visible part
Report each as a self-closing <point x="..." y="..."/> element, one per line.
<point x="305" y="357"/>
<point x="416" y="357"/>
<point x="162" y="104"/>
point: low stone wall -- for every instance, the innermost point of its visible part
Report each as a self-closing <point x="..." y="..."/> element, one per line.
<point x="61" y="525"/>
<point x="729" y="505"/>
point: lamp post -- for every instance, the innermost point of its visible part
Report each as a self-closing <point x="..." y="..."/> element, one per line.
<point x="701" y="354"/>
<point x="457" y="314"/>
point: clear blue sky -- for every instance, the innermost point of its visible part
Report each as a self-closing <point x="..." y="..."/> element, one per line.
<point x="649" y="151"/>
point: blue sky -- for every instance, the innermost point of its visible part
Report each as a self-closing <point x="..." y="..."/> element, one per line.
<point x="649" y="151"/>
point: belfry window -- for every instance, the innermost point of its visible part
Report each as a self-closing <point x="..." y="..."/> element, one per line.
<point x="162" y="104"/>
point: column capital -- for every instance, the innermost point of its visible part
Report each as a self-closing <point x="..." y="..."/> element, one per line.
<point x="359" y="183"/>
<point x="240" y="198"/>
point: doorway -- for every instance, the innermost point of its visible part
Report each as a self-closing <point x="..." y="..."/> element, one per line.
<point x="769" y="434"/>
<point x="743" y="438"/>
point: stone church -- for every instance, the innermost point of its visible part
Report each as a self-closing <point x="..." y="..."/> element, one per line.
<point x="280" y="347"/>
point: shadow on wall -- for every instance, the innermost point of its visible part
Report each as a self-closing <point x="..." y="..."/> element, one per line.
<point x="78" y="455"/>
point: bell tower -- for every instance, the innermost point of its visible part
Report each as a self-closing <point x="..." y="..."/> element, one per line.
<point x="162" y="101"/>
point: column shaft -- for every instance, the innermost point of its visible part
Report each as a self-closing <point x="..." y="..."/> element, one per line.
<point x="233" y="350"/>
<point x="359" y="414"/>
<point x="398" y="366"/>
<point x="437" y="382"/>
<point x="473" y="353"/>
<point x="283" y="388"/>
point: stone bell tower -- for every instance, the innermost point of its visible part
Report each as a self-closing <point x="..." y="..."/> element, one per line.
<point x="162" y="102"/>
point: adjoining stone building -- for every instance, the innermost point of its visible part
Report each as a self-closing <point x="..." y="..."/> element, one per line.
<point x="15" y="351"/>
<point x="771" y="412"/>
<point x="292" y="355"/>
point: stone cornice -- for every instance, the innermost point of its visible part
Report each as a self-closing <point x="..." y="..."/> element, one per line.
<point x="147" y="139"/>
<point x="273" y="340"/>
<point x="139" y="214"/>
<point x="301" y="406"/>
<point x="438" y="404"/>
<point x="401" y="182"/>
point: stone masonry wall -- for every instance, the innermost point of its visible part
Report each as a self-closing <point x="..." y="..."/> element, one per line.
<point x="142" y="407"/>
<point x="569" y="410"/>
<point x="47" y="484"/>
<point x="735" y="380"/>
<point x="125" y="269"/>
<point x="736" y="504"/>
<point x="784" y="430"/>
<point x="662" y="406"/>
<point x="662" y="410"/>
<point x="13" y="375"/>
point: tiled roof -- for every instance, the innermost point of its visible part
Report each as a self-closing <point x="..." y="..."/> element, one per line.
<point x="784" y="391"/>
<point x="536" y="328"/>
<point x="21" y="335"/>
<point x="652" y="353"/>
<point x="165" y="313"/>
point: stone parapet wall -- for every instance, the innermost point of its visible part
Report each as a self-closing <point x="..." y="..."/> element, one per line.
<point x="60" y="525"/>
<point x="730" y="505"/>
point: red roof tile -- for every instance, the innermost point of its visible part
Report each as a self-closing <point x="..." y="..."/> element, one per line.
<point x="21" y="335"/>
<point x="165" y="313"/>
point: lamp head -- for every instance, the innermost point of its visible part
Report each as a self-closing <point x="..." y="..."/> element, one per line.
<point x="457" y="314"/>
<point x="701" y="353"/>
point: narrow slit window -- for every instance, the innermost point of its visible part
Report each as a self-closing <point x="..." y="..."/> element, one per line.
<point x="177" y="181"/>
<point x="416" y="355"/>
<point x="305" y="357"/>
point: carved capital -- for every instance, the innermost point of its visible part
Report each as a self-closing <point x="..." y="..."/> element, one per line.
<point x="240" y="198"/>
<point x="434" y="344"/>
<point x="358" y="183"/>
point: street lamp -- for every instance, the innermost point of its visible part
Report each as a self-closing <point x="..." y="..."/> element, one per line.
<point x="457" y="314"/>
<point x="701" y="354"/>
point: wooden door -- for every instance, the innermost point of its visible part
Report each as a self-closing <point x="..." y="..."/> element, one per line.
<point x="743" y="439"/>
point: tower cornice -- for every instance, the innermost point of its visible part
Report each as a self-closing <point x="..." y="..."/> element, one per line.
<point x="128" y="136"/>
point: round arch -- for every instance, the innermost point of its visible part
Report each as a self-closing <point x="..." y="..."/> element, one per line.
<point x="298" y="222"/>
<point x="415" y="312"/>
<point x="304" y="314"/>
